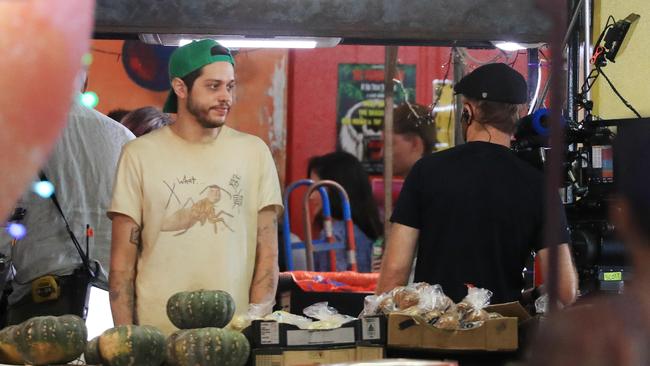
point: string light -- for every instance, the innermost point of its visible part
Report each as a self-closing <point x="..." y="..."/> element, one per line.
<point x="43" y="188"/>
<point x="16" y="230"/>
<point x="89" y="99"/>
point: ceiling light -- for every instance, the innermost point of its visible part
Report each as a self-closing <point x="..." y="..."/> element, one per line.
<point x="509" y="46"/>
<point x="241" y="41"/>
<point x="261" y="43"/>
<point x="514" y="46"/>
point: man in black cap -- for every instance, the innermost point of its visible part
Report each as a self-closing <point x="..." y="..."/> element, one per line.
<point x="475" y="212"/>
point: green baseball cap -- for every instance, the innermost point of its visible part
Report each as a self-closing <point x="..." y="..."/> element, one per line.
<point x="191" y="57"/>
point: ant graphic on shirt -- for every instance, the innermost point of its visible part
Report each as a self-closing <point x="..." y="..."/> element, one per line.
<point x="202" y="211"/>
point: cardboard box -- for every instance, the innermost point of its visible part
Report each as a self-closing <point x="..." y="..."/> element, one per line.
<point x="266" y="333"/>
<point x="494" y="335"/>
<point x="315" y="356"/>
<point x="373" y="329"/>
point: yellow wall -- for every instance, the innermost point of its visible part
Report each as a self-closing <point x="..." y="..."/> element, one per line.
<point x="631" y="72"/>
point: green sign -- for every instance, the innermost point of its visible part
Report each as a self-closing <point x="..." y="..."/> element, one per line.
<point x="360" y="110"/>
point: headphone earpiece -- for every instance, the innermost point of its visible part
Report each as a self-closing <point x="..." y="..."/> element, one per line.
<point x="464" y="117"/>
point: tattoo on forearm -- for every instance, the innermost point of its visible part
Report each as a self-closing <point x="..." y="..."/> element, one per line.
<point x="268" y="229"/>
<point x="135" y="236"/>
<point x="266" y="279"/>
<point x="124" y="291"/>
<point x="129" y="291"/>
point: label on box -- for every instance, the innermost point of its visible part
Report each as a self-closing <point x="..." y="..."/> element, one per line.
<point x="268" y="360"/>
<point x="307" y="337"/>
<point x="370" y="329"/>
<point x="270" y="332"/>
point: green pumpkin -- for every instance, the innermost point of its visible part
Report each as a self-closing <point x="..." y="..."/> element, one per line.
<point x="9" y="353"/>
<point x="50" y="339"/>
<point x="200" y="309"/>
<point x="207" y="347"/>
<point x="91" y="354"/>
<point x="132" y="345"/>
<point x="170" y="350"/>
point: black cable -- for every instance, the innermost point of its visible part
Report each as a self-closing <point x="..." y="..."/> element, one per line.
<point x="512" y="64"/>
<point x="590" y="80"/>
<point x="449" y="129"/>
<point x="118" y="55"/>
<point x="627" y="104"/>
<point x="444" y="81"/>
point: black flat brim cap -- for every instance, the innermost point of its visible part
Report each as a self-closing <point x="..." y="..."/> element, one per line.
<point x="495" y="82"/>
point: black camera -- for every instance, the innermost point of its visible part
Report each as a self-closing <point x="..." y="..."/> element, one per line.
<point x="587" y="190"/>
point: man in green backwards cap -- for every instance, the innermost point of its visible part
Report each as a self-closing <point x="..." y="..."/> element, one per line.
<point x="194" y="203"/>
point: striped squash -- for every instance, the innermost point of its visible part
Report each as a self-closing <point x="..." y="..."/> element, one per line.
<point x="207" y="347"/>
<point x="91" y="354"/>
<point x="200" y="309"/>
<point x="44" y="340"/>
<point x="9" y="348"/>
<point x="132" y="345"/>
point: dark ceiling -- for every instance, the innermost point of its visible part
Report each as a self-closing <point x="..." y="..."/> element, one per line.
<point x="404" y="22"/>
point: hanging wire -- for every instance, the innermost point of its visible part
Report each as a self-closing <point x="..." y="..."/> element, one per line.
<point x="627" y="104"/>
<point x="440" y="87"/>
<point x="406" y="97"/>
<point x="117" y="54"/>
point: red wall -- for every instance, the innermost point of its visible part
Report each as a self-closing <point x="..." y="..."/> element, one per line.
<point x="313" y="81"/>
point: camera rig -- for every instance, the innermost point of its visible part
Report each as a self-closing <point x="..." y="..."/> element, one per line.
<point x="589" y="166"/>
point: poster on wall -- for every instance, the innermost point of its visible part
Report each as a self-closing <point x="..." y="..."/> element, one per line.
<point x="360" y="110"/>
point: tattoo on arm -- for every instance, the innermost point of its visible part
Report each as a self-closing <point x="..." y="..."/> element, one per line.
<point x="123" y="291"/>
<point x="268" y="229"/>
<point x="135" y="236"/>
<point x="265" y="279"/>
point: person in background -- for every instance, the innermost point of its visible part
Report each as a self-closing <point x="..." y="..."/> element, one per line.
<point x="414" y="136"/>
<point x="195" y="203"/>
<point x="117" y="114"/>
<point x="473" y="213"/>
<point x="144" y="120"/>
<point x="81" y="167"/>
<point x="612" y="330"/>
<point x="346" y="170"/>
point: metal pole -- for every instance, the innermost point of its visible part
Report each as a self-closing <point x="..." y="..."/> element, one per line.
<point x="587" y="43"/>
<point x="533" y="71"/>
<point x="390" y="67"/>
<point x="557" y="12"/>
<point x="459" y="72"/>
<point x="573" y="71"/>
<point x="565" y="40"/>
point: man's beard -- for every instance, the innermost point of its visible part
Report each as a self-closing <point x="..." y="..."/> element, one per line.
<point x="202" y="115"/>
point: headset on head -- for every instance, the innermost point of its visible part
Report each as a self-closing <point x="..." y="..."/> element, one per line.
<point x="464" y="117"/>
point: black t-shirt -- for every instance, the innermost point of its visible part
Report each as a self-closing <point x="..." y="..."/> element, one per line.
<point x="479" y="210"/>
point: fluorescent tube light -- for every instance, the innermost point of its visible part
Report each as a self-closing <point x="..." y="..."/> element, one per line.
<point x="261" y="43"/>
<point x="241" y="41"/>
<point x="509" y="46"/>
<point x="514" y="46"/>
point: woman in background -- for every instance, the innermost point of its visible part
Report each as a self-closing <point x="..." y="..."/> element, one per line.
<point x="144" y="120"/>
<point x="347" y="171"/>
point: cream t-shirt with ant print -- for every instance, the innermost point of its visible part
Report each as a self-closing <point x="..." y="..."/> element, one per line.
<point x="197" y="205"/>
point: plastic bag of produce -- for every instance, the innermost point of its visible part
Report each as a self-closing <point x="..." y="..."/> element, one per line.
<point x="328" y="317"/>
